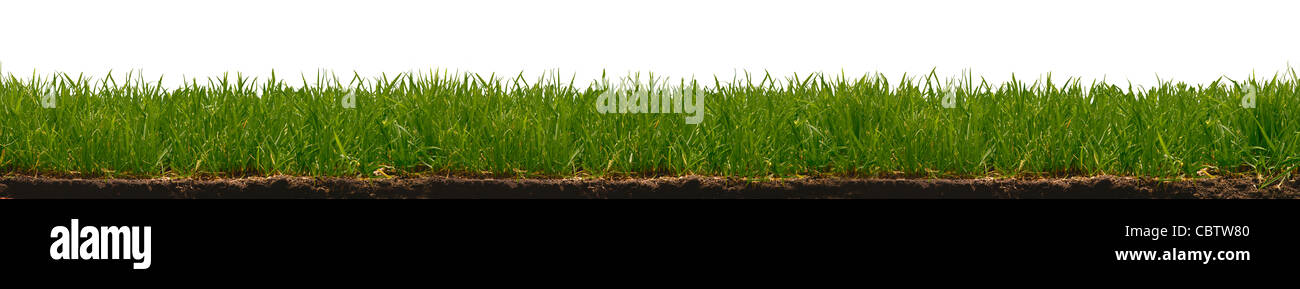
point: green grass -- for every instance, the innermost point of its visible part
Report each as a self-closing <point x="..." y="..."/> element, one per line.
<point x="459" y="123"/>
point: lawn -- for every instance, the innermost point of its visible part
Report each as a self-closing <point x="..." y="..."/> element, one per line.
<point x="436" y="122"/>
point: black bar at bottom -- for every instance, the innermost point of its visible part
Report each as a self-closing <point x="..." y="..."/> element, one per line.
<point x="459" y="238"/>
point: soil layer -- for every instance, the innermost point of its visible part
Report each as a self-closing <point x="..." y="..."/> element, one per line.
<point x="1108" y="187"/>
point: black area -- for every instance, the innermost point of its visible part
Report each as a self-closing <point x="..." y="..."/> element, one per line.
<point x="752" y="240"/>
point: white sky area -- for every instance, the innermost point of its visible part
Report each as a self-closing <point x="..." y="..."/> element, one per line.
<point x="1190" y="41"/>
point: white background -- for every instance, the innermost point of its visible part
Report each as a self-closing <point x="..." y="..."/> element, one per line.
<point x="1192" y="41"/>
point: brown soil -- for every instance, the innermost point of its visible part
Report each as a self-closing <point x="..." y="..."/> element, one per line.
<point x="674" y="187"/>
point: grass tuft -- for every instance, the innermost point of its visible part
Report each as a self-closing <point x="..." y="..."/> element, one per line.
<point x="804" y="125"/>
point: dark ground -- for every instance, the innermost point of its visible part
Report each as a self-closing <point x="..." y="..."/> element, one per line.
<point x="675" y="187"/>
